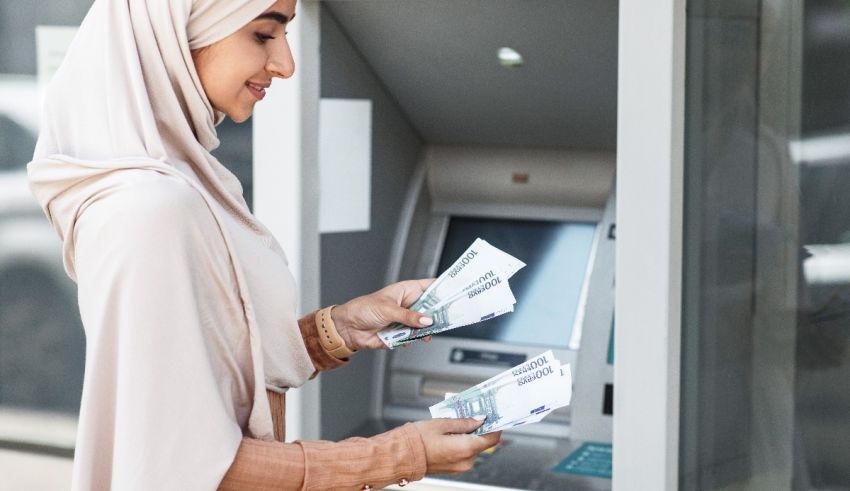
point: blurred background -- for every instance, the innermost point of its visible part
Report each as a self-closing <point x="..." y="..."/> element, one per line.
<point x="42" y="343"/>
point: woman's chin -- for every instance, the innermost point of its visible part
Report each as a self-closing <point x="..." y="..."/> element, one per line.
<point x="241" y="116"/>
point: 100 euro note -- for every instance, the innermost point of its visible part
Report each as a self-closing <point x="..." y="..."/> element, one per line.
<point x="476" y="261"/>
<point x="505" y="406"/>
<point x="487" y="297"/>
<point x="560" y="398"/>
<point x="480" y="268"/>
<point x="522" y="395"/>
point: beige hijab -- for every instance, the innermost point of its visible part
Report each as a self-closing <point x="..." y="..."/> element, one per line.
<point x="164" y="250"/>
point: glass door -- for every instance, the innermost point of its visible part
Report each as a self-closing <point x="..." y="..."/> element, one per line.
<point x="766" y="299"/>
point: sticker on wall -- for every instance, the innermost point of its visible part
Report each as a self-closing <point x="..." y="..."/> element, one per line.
<point x="590" y="459"/>
<point x="345" y="165"/>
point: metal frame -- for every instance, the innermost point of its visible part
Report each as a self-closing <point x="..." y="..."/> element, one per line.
<point x="439" y="226"/>
<point x="437" y="229"/>
<point x="650" y="154"/>
<point x="519" y="212"/>
<point x="442" y="215"/>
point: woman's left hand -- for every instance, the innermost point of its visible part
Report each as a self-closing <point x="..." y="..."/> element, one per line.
<point x="359" y="319"/>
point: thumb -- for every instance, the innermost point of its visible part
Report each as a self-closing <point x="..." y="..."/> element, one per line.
<point x="409" y="317"/>
<point x="462" y="425"/>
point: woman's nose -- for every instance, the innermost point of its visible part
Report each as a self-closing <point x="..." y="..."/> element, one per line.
<point x="280" y="62"/>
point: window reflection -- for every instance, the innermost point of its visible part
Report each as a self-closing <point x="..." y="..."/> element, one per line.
<point x="41" y="338"/>
<point x="822" y="403"/>
<point x="766" y="313"/>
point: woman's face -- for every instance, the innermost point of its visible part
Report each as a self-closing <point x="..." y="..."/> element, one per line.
<point x="236" y="71"/>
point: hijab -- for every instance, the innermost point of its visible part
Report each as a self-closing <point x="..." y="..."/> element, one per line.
<point x="127" y="104"/>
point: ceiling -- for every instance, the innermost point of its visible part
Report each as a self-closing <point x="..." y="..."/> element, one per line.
<point x="438" y="60"/>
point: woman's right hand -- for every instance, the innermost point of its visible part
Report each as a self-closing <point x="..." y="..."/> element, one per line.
<point x="449" y="448"/>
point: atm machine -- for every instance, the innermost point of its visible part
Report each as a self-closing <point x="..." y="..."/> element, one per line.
<point x="553" y="209"/>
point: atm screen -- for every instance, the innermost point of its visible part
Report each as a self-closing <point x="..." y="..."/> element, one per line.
<point x="547" y="291"/>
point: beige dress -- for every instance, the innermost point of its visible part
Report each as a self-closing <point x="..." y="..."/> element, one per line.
<point x="187" y="303"/>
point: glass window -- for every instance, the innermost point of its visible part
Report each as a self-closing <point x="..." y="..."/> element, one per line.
<point x="766" y="313"/>
<point x="42" y="343"/>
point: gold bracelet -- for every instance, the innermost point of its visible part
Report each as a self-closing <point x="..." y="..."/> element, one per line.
<point x="329" y="337"/>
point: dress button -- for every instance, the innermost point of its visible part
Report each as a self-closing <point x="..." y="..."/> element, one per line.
<point x="404" y="482"/>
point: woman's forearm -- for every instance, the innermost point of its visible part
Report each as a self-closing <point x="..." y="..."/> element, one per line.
<point x="350" y="464"/>
<point x="261" y="465"/>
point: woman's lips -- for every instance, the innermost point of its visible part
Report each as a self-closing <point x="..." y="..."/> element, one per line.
<point x="257" y="91"/>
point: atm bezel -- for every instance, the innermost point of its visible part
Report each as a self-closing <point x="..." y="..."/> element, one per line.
<point x="436" y="229"/>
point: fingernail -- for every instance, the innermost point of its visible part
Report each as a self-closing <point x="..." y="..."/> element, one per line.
<point x="479" y="418"/>
<point x="426" y="321"/>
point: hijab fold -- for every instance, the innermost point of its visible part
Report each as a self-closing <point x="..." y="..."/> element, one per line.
<point x="126" y="112"/>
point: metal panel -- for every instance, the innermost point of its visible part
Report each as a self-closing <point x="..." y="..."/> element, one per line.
<point x="650" y="141"/>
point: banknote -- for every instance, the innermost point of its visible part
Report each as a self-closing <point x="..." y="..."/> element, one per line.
<point x="505" y="406"/>
<point x="560" y="398"/>
<point x="473" y="289"/>
<point x="398" y="337"/>
<point x="522" y="395"/>
<point x="511" y="414"/>
<point x="478" y="259"/>
<point x="486" y="297"/>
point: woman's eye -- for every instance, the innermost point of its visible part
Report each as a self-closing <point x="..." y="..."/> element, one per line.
<point x="262" y="38"/>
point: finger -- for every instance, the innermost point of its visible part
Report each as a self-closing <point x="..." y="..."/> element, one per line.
<point x="413" y="289"/>
<point x="408" y="317"/>
<point x="420" y="284"/>
<point x="427" y="339"/>
<point x="460" y="425"/>
<point x="375" y="344"/>
<point x="424" y="283"/>
<point x="488" y="440"/>
<point x="464" y="465"/>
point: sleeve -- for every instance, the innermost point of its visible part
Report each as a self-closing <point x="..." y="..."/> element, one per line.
<point x="322" y="360"/>
<point x="166" y="390"/>
<point x="348" y="465"/>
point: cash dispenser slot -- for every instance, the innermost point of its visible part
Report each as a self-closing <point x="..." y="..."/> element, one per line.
<point x="439" y="388"/>
<point x="414" y="389"/>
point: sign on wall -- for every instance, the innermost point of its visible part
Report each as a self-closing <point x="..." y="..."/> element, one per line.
<point x="345" y="164"/>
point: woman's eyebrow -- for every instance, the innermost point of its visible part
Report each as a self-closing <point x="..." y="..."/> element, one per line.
<point x="276" y="16"/>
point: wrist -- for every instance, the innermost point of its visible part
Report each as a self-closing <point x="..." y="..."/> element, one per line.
<point x="340" y="322"/>
<point x="329" y="337"/>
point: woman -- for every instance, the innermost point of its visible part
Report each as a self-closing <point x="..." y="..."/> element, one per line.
<point x="186" y="299"/>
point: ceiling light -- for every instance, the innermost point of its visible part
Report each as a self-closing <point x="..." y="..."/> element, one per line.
<point x="509" y="57"/>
